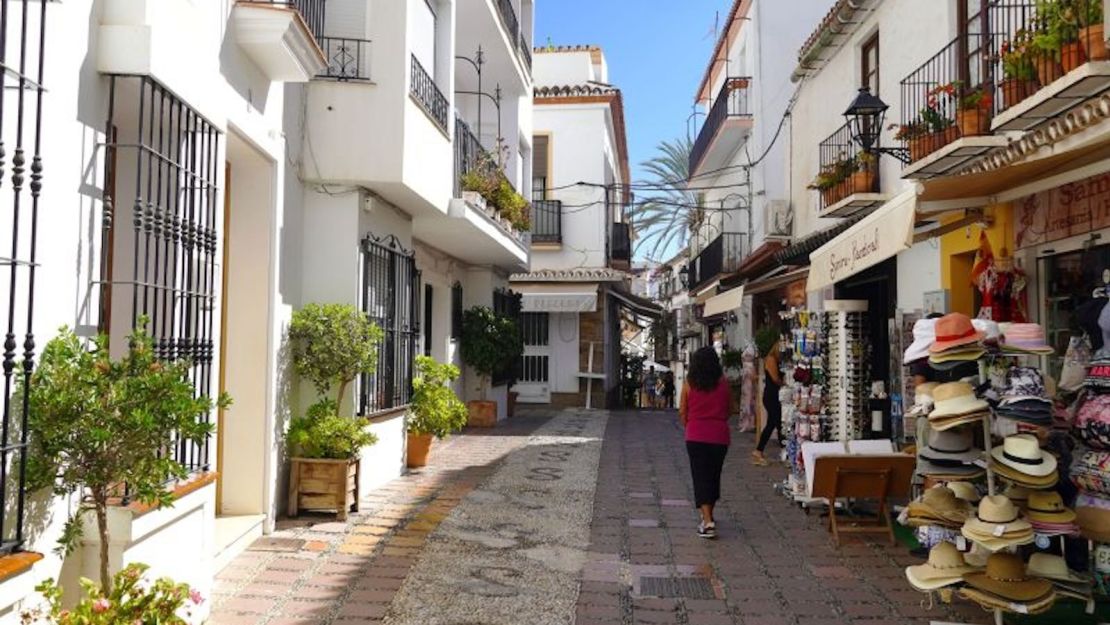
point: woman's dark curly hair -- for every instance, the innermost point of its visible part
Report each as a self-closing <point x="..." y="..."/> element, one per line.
<point x="705" y="369"/>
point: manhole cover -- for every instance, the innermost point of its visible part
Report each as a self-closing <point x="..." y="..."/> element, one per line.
<point x="277" y="544"/>
<point x="686" y="587"/>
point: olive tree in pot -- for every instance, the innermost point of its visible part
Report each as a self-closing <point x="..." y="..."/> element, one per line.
<point x="97" y="424"/>
<point x="436" y="410"/>
<point x="489" y="343"/>
<point x="332" y="345"/>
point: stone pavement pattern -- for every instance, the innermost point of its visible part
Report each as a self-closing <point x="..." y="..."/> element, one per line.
<point x="447" y="546"/>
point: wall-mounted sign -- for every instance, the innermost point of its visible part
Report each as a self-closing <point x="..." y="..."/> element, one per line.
<point x="872" y="240"/>
<point x="1069" y="210"/>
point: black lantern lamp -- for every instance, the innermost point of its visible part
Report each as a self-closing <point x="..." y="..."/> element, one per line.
<point x="865" y="118"/>
<point x="684" y="276"/>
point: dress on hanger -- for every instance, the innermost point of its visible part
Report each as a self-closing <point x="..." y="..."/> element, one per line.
<point x="747" y="390"/>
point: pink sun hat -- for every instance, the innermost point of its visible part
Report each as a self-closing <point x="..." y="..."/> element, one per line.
<point x="1025" y="337"/>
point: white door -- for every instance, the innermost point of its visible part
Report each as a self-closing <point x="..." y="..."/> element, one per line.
<point x="534" y="386"/>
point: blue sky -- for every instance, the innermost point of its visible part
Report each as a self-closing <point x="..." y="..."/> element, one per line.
<point x="657" y="52"/>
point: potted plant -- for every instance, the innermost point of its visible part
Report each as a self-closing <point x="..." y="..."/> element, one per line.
<point x="1020" y="75"/>
<point x="941" y="128"/>
<point x="131" y="599"/>
<point x="488" y="342"/>
<point x="1061" y="21"/>
<point x="485" y="184"/>
<point x="436" y="410"/>
<point x="1091" y="35"/>
<point x="825" y="183"/>
<point x="332" y="344"/>
<point x="1046" y="44"/>
<point x="863" y="178"/>
<point x="915" y="135"/>
<point x="97" y="423"/>
<point x="972" y="107"/>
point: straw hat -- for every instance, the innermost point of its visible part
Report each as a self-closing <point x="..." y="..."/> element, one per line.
<point x="958" y="355"/>
<point x="1023" y="453"/>
<point x="998" y="524"/>
<point x="1030" y="482"/>
<point x="1054" y="568"/>
<point x="1017" y="494"/>
<point x="950" y="445"/>
<point x="1046" y="506"/>
<point x="990" y="601"/>
<point x="946" y="566"/>
<point x="1094" y="522"/>
<point x="1005" y="577"/>
<point x="1025" y="338"/>
<point x="941" y="503"/>
<point x="954" y="399"/>
<point x="924" y="333"/>
<point x="954" y="330"/>
<point x="947" y="423"/>
<point x="965" y="491"/>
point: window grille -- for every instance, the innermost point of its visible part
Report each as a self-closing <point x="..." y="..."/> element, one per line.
<point x="390" y="296"/>
<point x="506" y="303"/>
<point x="21" y="110"/>
<point x="159" y="244"/>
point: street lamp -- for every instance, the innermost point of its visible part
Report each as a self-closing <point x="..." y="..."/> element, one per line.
<point x="865" y="123"/>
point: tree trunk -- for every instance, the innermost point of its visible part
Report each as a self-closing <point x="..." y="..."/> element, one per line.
<point x="339" y="397"/>
<point x="100" y="502"/>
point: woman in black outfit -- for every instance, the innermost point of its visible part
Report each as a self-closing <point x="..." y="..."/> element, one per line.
<point x="772" y="382"/>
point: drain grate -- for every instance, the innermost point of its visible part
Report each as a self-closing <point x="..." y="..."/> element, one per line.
<point x="685" y="587"/>
<point x="277" y="544"/>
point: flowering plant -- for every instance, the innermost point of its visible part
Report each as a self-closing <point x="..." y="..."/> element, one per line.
<point x="965" y="99"/>
<point x="1017" y="56"/>
<point x="910" y="130"/>
<point x="130" y="602"/>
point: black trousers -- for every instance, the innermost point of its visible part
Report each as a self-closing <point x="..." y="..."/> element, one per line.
<point x="706" y="462"/>
<point x="773" y="408"/>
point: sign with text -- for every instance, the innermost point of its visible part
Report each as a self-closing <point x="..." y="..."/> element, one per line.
<point x="559" y="302"/>
<point x="873" y="239"/>
<point x="1065" y="211"/>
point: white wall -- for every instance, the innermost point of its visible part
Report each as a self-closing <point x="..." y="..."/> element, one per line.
<point x="563" y="68"/>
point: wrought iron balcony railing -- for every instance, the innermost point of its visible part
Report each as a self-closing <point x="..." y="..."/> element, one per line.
<point x="620" y="244"/>
<point x="508" y="18"/>
<point x="312" y="12"/>
<point x="731" y="102"/>
<point x="723" y="255"/>
<point x="426" y="93"/>
<point x="526" y="52"/>
<point x="547" y="221"/>
<point x="468" y="152"/>
<point x="844" y="168"/>
<point x="348" y="59"/>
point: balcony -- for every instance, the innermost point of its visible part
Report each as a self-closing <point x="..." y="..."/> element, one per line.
<point x="848" y="181"/>
<point x="426" y="93"/>
<point x="620" y="246"/>
<point x="509" y="19"/>
<point x="726" y="127"/>
<point x="526" y="52"/>
<point x="348" y="59"/>
<point x="1047" y="67"/>
<point x="282" y="36"/>
<point x="468" y="152"/>
<point x="723" y="255"/>
<point x="947" y="106"/>
<point x="547" y="221"/>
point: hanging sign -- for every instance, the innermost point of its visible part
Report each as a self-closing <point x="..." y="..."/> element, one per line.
<point x="1065" y="211"/>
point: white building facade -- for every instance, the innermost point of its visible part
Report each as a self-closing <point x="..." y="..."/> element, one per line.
<point x="296" y="153"/>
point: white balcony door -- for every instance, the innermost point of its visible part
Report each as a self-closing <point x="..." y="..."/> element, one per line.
<point x="534" y="386"/>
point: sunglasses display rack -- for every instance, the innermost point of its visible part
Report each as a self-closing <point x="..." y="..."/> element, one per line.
<point x="804" y="413"/>
<point x="848" y="379"/>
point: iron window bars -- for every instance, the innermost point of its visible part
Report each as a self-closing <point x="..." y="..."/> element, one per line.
<point x="468" y="152"/>
<point x="547" y="221"/>
<point x="348" y="59"/>
<point x="159" y="245"/>
<point x="507" y="303"/>
<point x="390" y="296"/>
<point x="21" y="110"/>
<point x="534" y="328"/>
<point x="427" y="94"/>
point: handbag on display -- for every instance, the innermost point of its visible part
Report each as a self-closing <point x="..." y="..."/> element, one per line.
<point x="1076" y="360"/>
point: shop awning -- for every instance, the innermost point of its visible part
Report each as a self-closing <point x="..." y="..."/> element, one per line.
<point x="775" y="279"/>
<point x="568" y="298"/>
<point x="725" y="302"/>
<point x="868" y="242"/>
<point x="798" y="253"/>
<point x="638" y="305"/>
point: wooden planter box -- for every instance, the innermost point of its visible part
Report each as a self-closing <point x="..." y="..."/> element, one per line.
<point x="317" y="484"/>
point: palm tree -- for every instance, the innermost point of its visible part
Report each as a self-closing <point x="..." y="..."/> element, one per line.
<point x="663" y="218"/>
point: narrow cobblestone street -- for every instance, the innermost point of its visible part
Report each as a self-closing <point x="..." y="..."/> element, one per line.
<point x="494" y="532"/>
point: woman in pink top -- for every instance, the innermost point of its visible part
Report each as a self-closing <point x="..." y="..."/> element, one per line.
<point x="703" y="411"/>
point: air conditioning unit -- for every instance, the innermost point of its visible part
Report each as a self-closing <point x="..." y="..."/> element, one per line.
<point x="778" y="220"/>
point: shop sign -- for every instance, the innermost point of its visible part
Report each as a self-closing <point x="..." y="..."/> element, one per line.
<point x="1065" y="211"/>
<point x="875" y="238"/>
<point x="559" y="302"/>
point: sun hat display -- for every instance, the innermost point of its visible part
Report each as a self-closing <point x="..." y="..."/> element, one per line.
<point x="1010" y="476"/>
<point x="953" y="399"/>
<point x="954" y="330"/>
<point x="922" y="399"/>
<point x="954" y="358"/>
<point x="1025" y="338"/>
<point x="947" y="473"/>
<point x="1022" y="384"/>
<point x="990" y="601"/>
<point x="997" y="524"/>
<point x="946" y="566"/>
<point x="965" y="491"/>
<point x="1017" y="494"/>
<point x="991" y="330"/>
<point x="1092" y="514"/>
<point x="1048" y="507"/>
<point x="938" y="506"/>
<point x="1005" y="576"/>
<point x="1055" y="569"/>
<point x="947" y="423"/>
<point x="951" y="446"/>
<point x="1023" y="453"/>
<point x="924" y="333"/>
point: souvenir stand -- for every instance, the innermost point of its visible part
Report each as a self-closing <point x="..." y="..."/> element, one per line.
<point x="804" y="413"/>
<point x="974" y="540"/>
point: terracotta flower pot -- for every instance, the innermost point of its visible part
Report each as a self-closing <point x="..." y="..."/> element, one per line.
<point x="863" y="181"/>
<point x="828" y="196"/>
<point x="481" y="413"/>
<point x="1094" y="42"/>
<point x="1048" y="70"/>
<point x="919" y="147"/>
<point x="1071" y="56"/>
<point x="417" y="450"/>
<point x="973" y="122"/>
<point x="1015" y="90"/>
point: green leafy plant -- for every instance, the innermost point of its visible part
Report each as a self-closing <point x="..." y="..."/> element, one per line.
<point x="1090" y="13"/>
<point x="130" y="601"/>
<point x="965" y="98"/>
<point x="488" y="342"/>
<point x="834" y="173"/>
<point x="322" y="433"/>
<point x="1057" y="22"/>
<point x="909" y="131"/>
<point x="436" y="409"/>
<point x="487" y="179"/>
<point x="97" y="423"/>
<point x="765" y="339"/>
<point x="1017" y="56"/>
<point x="732" y="359"/>
<point x="332" y="345"/>
<point x="934" y="118"/>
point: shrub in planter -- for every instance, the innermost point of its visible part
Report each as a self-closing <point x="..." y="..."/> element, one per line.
<point x="1018" y="70"/>
<point x="97" y="423"/>
<point x="323" y="434"/>
<point x="436" y="410"/>
<point x="332" y="345"/>
<point x="130" y="601"/>
<point x="488" y="342"/>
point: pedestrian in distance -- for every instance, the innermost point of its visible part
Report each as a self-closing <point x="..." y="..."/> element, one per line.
<point x="668" y="390"/>
<point x="650" y="380"/>
<point x="772" y="405"/>
<point x="703" y="412"/>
